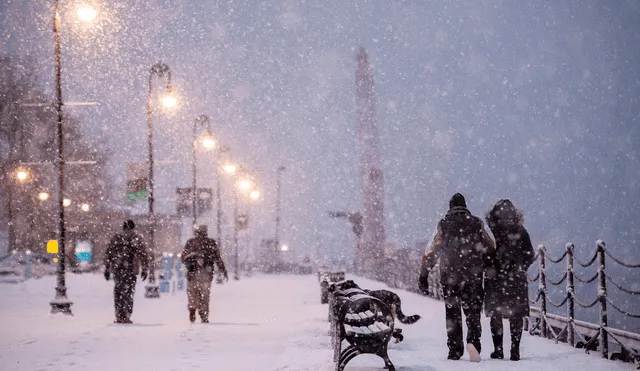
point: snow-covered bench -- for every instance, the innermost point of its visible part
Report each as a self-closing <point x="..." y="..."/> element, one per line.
<point x="365" y="322"/>
<point x="326" y="278"/>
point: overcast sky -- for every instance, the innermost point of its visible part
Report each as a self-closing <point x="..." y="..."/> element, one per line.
<point x="495" y="99"/>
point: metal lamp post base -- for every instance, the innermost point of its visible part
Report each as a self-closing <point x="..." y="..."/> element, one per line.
<point x="152" y="291"/>
<point x="61" y="305"/>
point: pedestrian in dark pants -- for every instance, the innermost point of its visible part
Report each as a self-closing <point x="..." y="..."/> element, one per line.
<point x="199" y="256"/>
<point x="126" y="255"/>
<point x="506" y="287"/>
<point x="460" y="246"/>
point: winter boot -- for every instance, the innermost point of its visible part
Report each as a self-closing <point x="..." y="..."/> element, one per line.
<point x="498" y="352"/>
<point x="192" y="315"/>
<point x="204" y="316"/>
<point x="515" y="352"/>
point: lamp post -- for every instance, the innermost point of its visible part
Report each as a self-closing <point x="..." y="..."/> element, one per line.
<point x="22" y="176"/>
<point x="207" y="143"/>
<point x="229" y="168"/>
<point x="60" y="303"/>
<point x="159" y="69"/>
<point x="246" y="185"/>
<point x="279" y="171"/>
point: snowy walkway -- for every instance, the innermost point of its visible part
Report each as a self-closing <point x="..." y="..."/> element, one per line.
<point x="262" y="323"/>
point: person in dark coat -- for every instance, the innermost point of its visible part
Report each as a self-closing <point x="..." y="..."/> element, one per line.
<point x="506" y="286"/>
<point x="199" y="256"/>
<point x="126" y="255"/>
<point x="461" y="246"/>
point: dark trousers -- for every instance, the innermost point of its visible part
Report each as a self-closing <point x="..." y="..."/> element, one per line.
<point x="515" y="325"/>
<point x="457" y="299"/>
<point x="123" y="290"/>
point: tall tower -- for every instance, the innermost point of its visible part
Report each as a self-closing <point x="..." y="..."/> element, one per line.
<point x="371" y="251"/>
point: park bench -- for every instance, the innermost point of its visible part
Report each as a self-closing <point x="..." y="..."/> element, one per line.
<point x="363" y="321"/>
<point x="326" y="278"/>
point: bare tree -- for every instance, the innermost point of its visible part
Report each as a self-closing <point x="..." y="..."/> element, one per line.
<point x="28" y="140"/>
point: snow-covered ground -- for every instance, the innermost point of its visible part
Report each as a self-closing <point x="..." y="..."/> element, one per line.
<point x="259" y="323"/>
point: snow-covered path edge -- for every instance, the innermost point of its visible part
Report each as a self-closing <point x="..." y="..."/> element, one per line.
<point x="258" y="323"/>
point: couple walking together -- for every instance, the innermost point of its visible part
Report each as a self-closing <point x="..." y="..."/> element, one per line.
<point x="475" y="271"/>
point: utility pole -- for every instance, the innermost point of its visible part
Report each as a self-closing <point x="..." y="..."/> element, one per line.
<point x="279" y="172"/>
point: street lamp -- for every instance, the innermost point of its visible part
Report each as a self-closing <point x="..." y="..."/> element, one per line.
<point x="66" y="202"/>
<point x="230" y="168"/>
<point x="60" y="303"/>
<point x="86" y="13"/>
<point x="160" y="70"/>
<point x="278" y="177"/>
<point x="245" y="184"/>
<point x="85" y="207"/>
<point x="43" y="196"/>
<point x="208" y="143"/>
<point x="22" y="175"/>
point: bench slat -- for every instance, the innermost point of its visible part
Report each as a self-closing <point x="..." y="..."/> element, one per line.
<point x="369" y="314"/>
<point x="382" y="326"/>
<point x="352" y="316"/>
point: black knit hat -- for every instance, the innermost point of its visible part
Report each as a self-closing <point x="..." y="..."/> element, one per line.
<point x="128" y="225"/>
<point x="457" y="200"/>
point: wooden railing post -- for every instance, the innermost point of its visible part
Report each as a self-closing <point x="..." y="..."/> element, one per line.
<point x="543" y="291"/>
<point x="570" y="292"/>
<point x="602" y="295"/>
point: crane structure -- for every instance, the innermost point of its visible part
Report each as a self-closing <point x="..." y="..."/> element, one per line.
<point x="355" y="218"/>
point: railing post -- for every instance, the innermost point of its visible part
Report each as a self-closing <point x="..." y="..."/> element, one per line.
<point x="543" y="291"/>
<point x="570" y="292"/>
<point x="602" y="295"/>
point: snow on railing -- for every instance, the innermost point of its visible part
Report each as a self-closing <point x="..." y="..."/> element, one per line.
<point x="565" y="328"/>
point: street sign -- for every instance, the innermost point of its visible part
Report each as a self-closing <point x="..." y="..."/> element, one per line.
<point x="183" y="201"/>
<point x="205" y="196"/>
<point x="242" y="222"/>
<point x="52" y="246"/>
<point x="83" y="250"/>
<point x="137" y="180"/>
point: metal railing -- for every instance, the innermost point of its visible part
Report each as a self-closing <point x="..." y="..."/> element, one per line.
<point x="567" y="328"/>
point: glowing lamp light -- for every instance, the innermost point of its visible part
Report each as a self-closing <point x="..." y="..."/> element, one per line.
<point x="245" y="184"/>
<point x="85" y="207"/>
<point x="255" y="194"/>
<point x="66" y="202"/>
<point x="208" y="142"/>
<point x="169" y="101"/>
<point x="86" y="13"/>
<point x="284" y="248"/>
<point x="22" y="175"/>
<point x="43" y="196"/>
<point x="230" y="168"/>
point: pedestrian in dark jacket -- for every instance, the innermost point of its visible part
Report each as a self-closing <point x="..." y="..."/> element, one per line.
<point x="199" y="256"/>
<point x="506" y="287"/>
<point x="126" y="255"/>
<point x="461" y="245"/>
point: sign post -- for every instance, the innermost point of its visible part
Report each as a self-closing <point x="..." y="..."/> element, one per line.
<point x="137" y="181"/>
